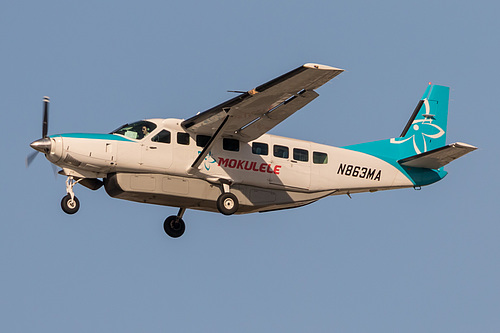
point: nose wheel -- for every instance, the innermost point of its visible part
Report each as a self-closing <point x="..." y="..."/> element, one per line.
<point x="70" y="203"/>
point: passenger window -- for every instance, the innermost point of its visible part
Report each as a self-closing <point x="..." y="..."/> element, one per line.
<point x="320" y="158"/>
<point x="202" y="140"/>
<point x="163" y="136"/>
<point x="182" y="138"/>
<point x="280" y="151"/>
<point x="260" y="148"/>
<point x="231" y="144"/>
<point x="300" y="155"/>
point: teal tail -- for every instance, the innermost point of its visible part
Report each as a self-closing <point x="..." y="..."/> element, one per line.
<point x="420" y="152"/>
<point x="425" y="131"/>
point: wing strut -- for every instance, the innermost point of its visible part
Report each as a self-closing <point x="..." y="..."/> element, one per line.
<point x="207" y="147"/>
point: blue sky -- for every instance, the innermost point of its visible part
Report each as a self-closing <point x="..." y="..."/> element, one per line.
<point x="402" y="260"/>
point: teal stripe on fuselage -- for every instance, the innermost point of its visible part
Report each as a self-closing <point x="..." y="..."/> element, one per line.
<point x="93" y="136"/>
<point x="379" y="149"/>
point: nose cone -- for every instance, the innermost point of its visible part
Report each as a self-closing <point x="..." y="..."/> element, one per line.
<point x="42" y="145"/>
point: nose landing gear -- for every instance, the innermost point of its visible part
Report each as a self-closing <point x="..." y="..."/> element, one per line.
<point x="70" y="206"/>
<point x="70" y="203"/>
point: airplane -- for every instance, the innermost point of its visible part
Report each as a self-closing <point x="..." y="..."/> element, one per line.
<point x="222" y="160"/>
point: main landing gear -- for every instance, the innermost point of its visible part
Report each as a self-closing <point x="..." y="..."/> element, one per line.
<point x="174" y="226"/>
<point x="70" y="203"/>
<point x="227" y="204"/>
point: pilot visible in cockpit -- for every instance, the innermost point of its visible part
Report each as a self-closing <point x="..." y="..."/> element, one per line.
<point x="144" y="132"/>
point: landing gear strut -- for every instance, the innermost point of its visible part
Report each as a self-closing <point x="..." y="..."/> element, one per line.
<point x="70" y="203"/>
<point x="174" y="226"/>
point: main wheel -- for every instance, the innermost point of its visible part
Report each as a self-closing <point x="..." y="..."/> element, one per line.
<point x="174" y="226"/>
<point x="70" y="206"/>
<point x="227" y="203"/>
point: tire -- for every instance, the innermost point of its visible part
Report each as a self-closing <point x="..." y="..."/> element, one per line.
<point x="70" y="206"/>
<point x="227" y="203"/>
<point x="174" y="226"/>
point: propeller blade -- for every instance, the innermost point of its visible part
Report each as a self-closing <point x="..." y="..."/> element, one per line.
<point x="45" y="125"/>
<point x="30" y="158"/>
<point x="54" y="170"/>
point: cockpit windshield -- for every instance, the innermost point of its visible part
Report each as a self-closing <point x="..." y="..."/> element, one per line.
<point x="137" y="130"/>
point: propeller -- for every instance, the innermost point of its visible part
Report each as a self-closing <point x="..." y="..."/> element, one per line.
<point x="30" y="158"/>
<point x="45" y="125"/>
<point x="42" y="145"/>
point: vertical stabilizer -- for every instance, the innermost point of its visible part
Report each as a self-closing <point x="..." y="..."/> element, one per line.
<point x="425" y="131"/>
<point x="426" y="128"/>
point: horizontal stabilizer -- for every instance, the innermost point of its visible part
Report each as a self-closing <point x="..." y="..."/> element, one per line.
<point x="437" y="158"/>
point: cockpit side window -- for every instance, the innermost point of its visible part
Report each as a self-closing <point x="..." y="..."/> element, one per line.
<point x="137" y="130"/>
<point x="163" y="136"/>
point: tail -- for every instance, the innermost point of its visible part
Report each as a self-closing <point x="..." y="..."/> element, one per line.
<point x="426" y="129"/>
<point x="422" y="144"/>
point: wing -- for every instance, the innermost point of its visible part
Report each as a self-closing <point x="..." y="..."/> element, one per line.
<point x="251" y="114"/>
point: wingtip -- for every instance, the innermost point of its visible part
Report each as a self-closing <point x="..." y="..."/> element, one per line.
<point x="322" y="67"/>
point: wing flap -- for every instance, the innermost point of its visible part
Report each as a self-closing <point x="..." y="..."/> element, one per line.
<point x="437" y="158"/>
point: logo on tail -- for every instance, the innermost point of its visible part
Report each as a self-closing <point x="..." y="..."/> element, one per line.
<point x="423" y="129"/>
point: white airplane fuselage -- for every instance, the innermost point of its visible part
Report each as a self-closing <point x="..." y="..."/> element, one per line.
<point x="159" y="173"/>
